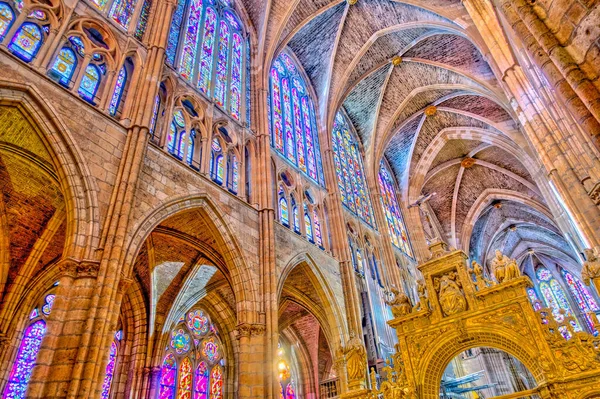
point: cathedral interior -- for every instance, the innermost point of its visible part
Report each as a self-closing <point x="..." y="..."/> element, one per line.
<point x="300" y="199"/>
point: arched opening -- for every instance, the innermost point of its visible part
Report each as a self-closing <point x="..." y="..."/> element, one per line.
<point x="306" y="344"/>
<point x="485" y="372"/>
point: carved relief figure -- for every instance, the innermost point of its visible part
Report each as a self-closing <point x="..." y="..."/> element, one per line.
<point x="400" y="304"/>
<point x="477" y="271"/>
<point x="512" y="270"/>
<point x="423" y="301"/>
<point x="356" y="358"/>
<point x="452" y="299"/>
<point x="591" y="267"/>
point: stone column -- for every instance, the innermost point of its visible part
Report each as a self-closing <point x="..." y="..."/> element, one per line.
<point x="250" y="365"/>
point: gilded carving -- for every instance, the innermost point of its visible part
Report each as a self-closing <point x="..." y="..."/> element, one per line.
<point x="504" y="268"/>
<point x="356" y="358"/>
<point x="400" y="303"/>
<point x="450" y="294"/>
<point x="591" y="267"/>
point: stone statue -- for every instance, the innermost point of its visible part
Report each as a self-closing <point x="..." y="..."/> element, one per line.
<point x="356" y="358"/>
<point x="423" y="301"/>
<point x="400" y="304"/>
<point x="512" y="270"/>
<point x="477" y="271"/>
<point x="450" y="294"/>
<point x="499" y="264"/>
<point x="591" y="267"/>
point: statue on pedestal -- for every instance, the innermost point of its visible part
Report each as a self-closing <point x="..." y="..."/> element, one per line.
<point x="356" y="359"/>
<point x="451" y="296"/>
<point x="499" y="266"/>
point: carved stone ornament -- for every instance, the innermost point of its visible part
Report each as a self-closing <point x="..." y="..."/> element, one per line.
<point x="431" y="110"/>
<point x="248" y="329"/>
<point x="88" y="269"/>
<point x="450" y="294"/>
<point x="396" y="60"/>
<point x="595" y="193"/>
<point x="352" y="2"/>
<point x="468" y="162"/>
<point x="503" y="268"/>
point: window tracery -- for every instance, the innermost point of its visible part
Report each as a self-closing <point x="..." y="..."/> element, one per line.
<point x="553" y="295"/>
<point x="349" y="170"/>
<point x="207" y="46"/>
<point x="292" y="118"/>
<point x="582" y="297"/>
<point x="193" y="363"/>
<point x="29" y="347"/>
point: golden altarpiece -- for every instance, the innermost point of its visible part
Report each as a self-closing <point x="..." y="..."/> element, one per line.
<point x="460" y="309"/>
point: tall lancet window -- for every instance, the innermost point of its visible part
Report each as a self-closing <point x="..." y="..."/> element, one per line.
<point x="29" y="347"/>
<point x="392" y="211"/>
<point x="207" y="45"/>
<point x="582" y="297"/>
<point x="292" y="118"/>
<point x="554" y="296"/>
<point x="349" y="170"/>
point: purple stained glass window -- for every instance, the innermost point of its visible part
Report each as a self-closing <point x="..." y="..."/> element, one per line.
<point x="284" y="213"/>
<point x="584" y="300"/>
<point x="26" y="358"/>
<point x="26" y="42"/>
<point x="201" y="382"/>
<point x="554" y="296"/>
<point x="308" y="224"/>
<point x="122" y="11"/>
<point x="221" y="77"/>
<point x="276" y="111"/>
<point x="7" y="17"/>
<point x="49" y="301"/>
<point x="232" y="20"/>
<point x="118" y="92"/>
<point x="289" y="392"/>
<point x="298" y="130"/>
<point x="168" y="375"/>
<point x="290" y="144"/>
<point x="110" y="371"/>
<point x="173" y="41"/>
<point x="64" y="66"/>
<point x="143" y="20"/>
<point x="208" y="45"/>
<point x="309" y="137"/>
<point x="190" y="43"/>
<point x="236" y="76"/>
<point x="101" y="4"/>
<point x="154" y="114"/>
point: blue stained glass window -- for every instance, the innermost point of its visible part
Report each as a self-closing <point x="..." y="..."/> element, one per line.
<point x="64" y="65"/>
<point x="143" y="20"/>
<point x="26" y="42"/>
<point x="391" y="209"/>
<point x="110" y="371"/>
<point x="317" y="225"/>
<point x="554" y="296"/>
<point x="155" y="111"/>
<point x="292" y="120"/>
<point x="90" y="83"/>
<point x="191" y="146"/>
<point x="118" y="92"/>
<point x="173" y="41"/>
<point x="349" y="170"/>
<point x="233" y="174"/>
<point x="284" y="214"/>
<point x="7" y="18"/>
<point x="295" y="216"/>
<point x="122" y="11"/>
<point x="582" y="297"/>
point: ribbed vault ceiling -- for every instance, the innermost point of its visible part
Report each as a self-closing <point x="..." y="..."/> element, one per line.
<point x="347" y="51"/>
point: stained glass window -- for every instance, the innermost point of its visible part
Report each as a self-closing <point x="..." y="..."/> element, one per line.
<point x="143" y="20"/>
<point x="233" y="174"/>
<point x="295" y="216"/>
<point x="190" y="147"/>
<point x="7" y="17"/>
<point x="110" y="370"/>
<point x="284" y="213"/>
<point x="101" y="4"/>
<point x="393" y="214"/>
<point x="289" y="392"/>
<point x="29" y="347"/>
<point x="155" y="110"/>
<point x="535" y="301"/>
<point x="195" y="370"/>
<point x="176" y="135"/>
<point x="554" y="296"/>
<point x="211" y="53"/>
<point x="349" y="170"/>
<point x="292" y="119"/>
<point x="317" y="225"/>
<point x="26" y="42"/>
<point x="64" y="65"/>
<point x="308" y="224"/>
<point x="90" y="83"/>
<point x="216" y="383"/>
<point x="118" y="92"/>
<point x="582" y="296"/>
<point x="217" y="168"/>
<point x="122" y="11"/>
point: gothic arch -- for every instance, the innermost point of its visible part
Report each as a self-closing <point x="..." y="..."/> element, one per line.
<point x="243" y="284"/>
<point x="329" y="315"/>
<point x="74" y="177"/>
<point x="429" y="373"/>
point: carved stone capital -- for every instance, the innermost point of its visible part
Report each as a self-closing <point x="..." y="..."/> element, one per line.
<point x="88" y="269"/>
<point x="124" y="284"/>
<point x="249" y="329"/>
<point x="68" y="267"/>
<point x="595" y="193"/>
